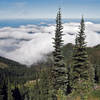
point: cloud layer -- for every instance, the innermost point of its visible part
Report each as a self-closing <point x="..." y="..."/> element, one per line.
<point x="29" y="44"/>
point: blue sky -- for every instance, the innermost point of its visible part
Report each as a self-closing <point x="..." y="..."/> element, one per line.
<point x="30" y="9"/>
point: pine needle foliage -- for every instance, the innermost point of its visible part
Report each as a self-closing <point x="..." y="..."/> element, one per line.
<point x="82" y="72"/>
<point x="59" y="72"/>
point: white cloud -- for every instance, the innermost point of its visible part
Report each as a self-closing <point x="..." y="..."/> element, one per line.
<point x="29" y="44"/>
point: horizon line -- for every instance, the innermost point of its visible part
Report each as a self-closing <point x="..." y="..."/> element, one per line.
<point x="40" y="18"/>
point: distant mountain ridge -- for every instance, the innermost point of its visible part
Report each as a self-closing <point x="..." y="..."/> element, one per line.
<point x="9" y="62"/>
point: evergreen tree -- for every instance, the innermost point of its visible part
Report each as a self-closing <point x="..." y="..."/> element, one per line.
<point x="37" y="88"/>
<point x="69" y="86"/>
<point x="9" y="91"/>
<point x="16" y="94"/>
<point x="59" y="72"/>
<point x="82" y="72"/>
<point x="31" y="96"/>
<point x="1" y="95"/>
<point x="97" y="73"/>
<point x="4" y="90"/>
<point x="44" y="85"/>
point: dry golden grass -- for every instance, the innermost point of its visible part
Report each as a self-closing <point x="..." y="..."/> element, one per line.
<point x="78" y="98"/>
<point x="90" y="98"/>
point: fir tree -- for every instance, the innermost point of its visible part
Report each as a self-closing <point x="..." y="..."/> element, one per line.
<point x="69" y="86"/>
<point x="4" y="91"/>
<point x="44" y="85"/>
<point x="1" y="95"/>
<point x="82" y="70"/>
<point x="37" y="88"/>
<point x="16" y="94"/>
<point x="59" y="72"/>
<point x="9" y="91"/>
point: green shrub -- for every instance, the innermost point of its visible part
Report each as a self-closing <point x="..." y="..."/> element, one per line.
<point x="96" y="93"/>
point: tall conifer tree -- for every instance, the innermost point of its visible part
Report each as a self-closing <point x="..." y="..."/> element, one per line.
<point x="82" y="70"/>
<point x="59" y="72"/>
<point x="4" y="90"/>
<point x="10" y="97"/>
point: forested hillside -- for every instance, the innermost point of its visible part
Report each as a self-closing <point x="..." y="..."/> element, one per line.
<point x="21" y="70"/>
